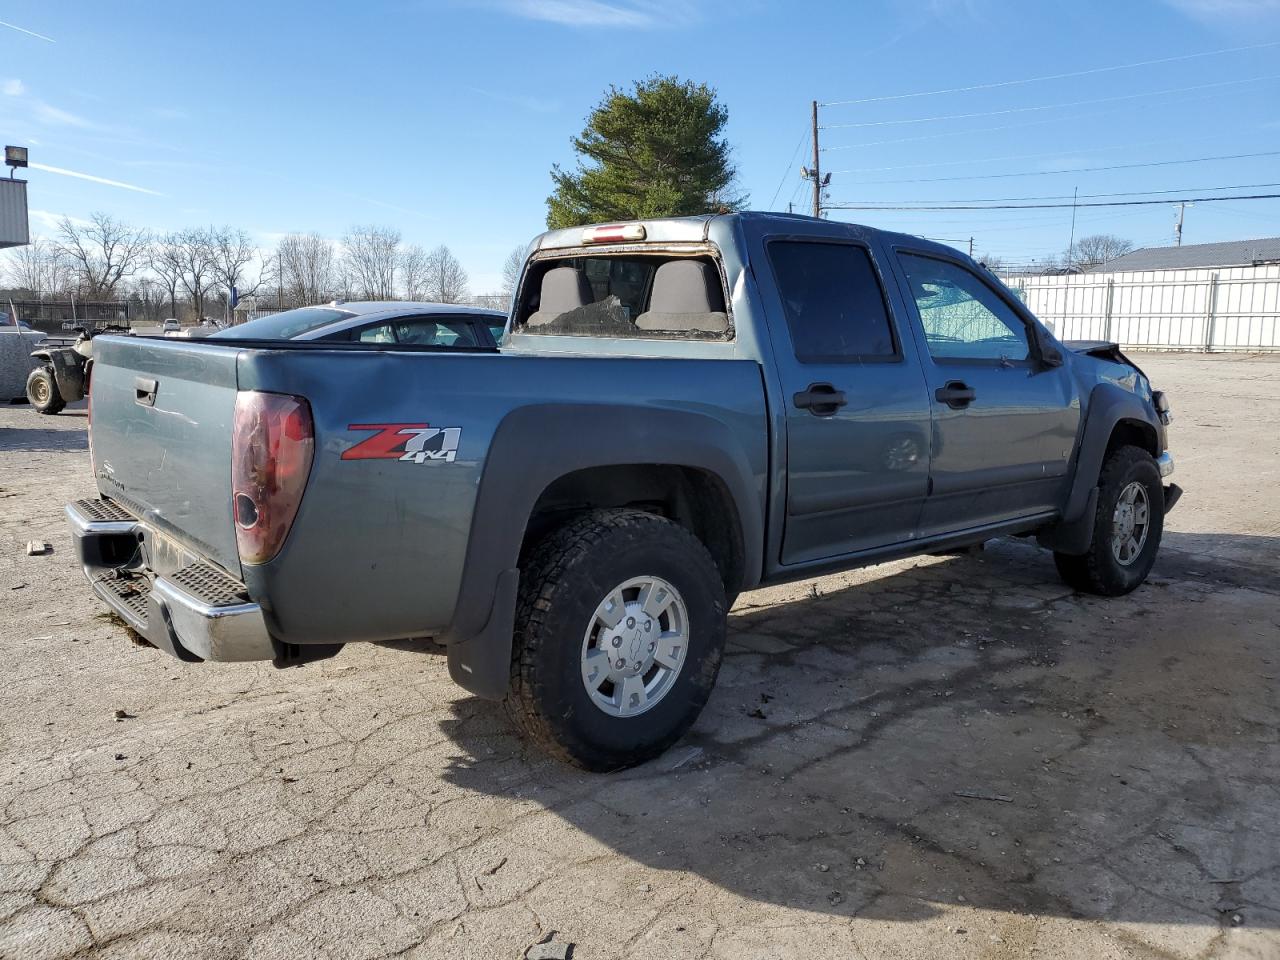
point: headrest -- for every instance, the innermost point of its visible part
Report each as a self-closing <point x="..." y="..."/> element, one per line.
<point x="685" y="286"/>
<point x="564" y="289"/>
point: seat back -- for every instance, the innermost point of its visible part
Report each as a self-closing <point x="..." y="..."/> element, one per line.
<point x="563" y="289"/>
<point x="686" y="297"/>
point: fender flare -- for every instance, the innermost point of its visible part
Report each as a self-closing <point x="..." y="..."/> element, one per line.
<point x="1108" y="405"/>
<point x="532" y="448"/>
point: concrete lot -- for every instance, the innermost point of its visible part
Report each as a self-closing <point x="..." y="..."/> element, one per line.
<point x="365" y="807"/>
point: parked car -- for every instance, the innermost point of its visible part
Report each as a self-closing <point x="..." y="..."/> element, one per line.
<point x="682" y="410"/>
<point x="170" y="326"/>
<point x="385" y="322"/>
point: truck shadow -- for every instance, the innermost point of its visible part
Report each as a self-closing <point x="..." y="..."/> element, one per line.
<point x="964" y="731"/>
<point x="35" y="439"/>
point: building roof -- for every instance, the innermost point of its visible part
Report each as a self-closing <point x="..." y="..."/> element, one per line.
<point x="1233" y="253"/>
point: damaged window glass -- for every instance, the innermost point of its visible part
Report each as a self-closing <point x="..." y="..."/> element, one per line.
<point x="625" y="296"/>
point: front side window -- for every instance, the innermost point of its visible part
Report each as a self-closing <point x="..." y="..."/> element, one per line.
<point x="624" y="295"/>
<point x="963" y="318"/>
<point x="832" y="298"/>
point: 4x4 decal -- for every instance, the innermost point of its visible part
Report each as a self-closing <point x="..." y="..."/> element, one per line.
<point x="411" y="442"/>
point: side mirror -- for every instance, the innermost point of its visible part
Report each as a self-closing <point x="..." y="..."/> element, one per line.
<point x="1046" y="346"/>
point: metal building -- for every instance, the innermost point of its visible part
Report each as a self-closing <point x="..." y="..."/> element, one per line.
<point x="14" y="230"/>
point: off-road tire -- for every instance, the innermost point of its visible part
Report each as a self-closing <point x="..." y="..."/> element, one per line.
<point x="42" y="391"/>
<point x="562" y="580"/>
<point x="1098" y="571"/>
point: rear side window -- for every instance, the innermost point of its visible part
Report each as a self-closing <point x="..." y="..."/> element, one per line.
<point x="833" y="301"/>
<point x="284" y="325"/>
<point x="625" y="295"/>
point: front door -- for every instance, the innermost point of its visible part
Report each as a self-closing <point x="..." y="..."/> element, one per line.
<point x="857" y="414"/>
<point x="1004" y="424"/>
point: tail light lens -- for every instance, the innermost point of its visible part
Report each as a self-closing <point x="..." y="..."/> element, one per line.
<point x="273" y="441"/>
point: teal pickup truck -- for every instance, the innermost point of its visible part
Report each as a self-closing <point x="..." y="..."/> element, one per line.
<point x="680" y="410"/>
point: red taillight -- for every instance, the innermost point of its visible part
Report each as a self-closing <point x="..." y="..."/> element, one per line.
<point x="272" y="444"/>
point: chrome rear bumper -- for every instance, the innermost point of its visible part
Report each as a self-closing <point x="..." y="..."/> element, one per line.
<point x="195" y="611"/>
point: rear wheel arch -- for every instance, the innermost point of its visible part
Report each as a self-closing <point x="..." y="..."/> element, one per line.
<point x="695" y="498"/>
<point x="702" y="469"/>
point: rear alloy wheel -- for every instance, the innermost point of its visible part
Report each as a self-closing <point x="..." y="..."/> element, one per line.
<point x="42" y="391"/>
<point x="619" y="633"/>
<point x="635" y="646"/>
<point x="1126" y="528"/>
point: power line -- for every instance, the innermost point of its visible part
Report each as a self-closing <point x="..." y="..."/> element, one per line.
<point x="1049" y="106"/>
<point x="1054" y="206"/>
<point x="1015" y="156"/>
<point x="795" y="153"/>
<point x="1091" y="196"/>
<point x="1047" y="173"/>
<point x="1054" y="76"/>
<point x="1092" y="114"/>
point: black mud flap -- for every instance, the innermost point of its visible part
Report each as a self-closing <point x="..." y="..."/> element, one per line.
<point x="482" y="664"/>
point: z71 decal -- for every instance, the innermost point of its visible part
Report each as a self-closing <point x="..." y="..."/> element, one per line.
<point x="411" y="442"/>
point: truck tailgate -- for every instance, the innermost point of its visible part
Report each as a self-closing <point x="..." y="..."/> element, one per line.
<point x="162" y="421"/>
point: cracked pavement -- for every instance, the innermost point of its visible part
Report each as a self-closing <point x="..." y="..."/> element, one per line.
<point x="1123" y="754"/>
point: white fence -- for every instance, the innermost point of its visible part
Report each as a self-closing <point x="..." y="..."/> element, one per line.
<point x="1211" y="310"/>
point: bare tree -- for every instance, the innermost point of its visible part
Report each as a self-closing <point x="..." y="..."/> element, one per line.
<point x="101" y="253"/>
<point x="511" y="268"/>
<point x="164" y="258"/>
<point x="1096" y="250"/>
<point x="197" y="254"/>
<point x="39" y="268"/>
<point x="305" y="264"/>
<point x="446" y="280"/>
<point x="370" y="257"/>
<point x="413" y="272"/>
<point x="233" y="253"/>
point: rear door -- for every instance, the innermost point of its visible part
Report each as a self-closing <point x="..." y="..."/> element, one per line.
<point x="857" y="417"/>
<point x="1004" y="424"/>
<point x="162" y="418"/>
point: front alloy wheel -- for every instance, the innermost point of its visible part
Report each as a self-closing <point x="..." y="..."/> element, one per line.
<point x="1129" y="524"/>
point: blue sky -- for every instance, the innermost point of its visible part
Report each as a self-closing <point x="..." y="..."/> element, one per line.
<point x="443" y="118"/>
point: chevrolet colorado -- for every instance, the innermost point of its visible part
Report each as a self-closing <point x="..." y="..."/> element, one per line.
<point x="683" y="409"/>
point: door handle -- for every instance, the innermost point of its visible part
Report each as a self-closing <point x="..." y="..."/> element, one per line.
<point x="145" y="391"/>
<point x="956" y="394"/>
<point x="820" y="399"/>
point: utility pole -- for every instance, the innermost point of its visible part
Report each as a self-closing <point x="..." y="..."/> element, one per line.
<point x="1177" y="230"/>
<point x="814" y="173"/>
<point x="1074" y="196"/>
<point x="817" y="168"/>
<point x="971" y="248"/>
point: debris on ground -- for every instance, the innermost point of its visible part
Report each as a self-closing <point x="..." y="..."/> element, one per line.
<point x="125" y="715"/>
<point x="757" y="714"/>
<point x="976" y="795"/>
<point x="686" y="757"/>
<point x="835" y="898"/>
<point x="548" y="949"/>
<point x="18" y="586"/>
<point x="38" y="548"/>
